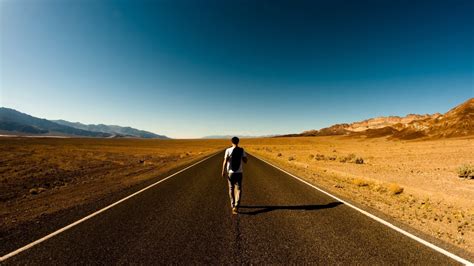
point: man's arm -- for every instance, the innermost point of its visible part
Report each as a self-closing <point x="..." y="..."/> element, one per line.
<point x="224" y="166"/>
<point x="244" y="157"/>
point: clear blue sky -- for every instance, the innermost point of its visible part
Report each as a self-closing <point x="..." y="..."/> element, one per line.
<point x="196" y="68"/>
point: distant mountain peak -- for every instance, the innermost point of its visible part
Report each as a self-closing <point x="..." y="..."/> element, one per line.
<point x="457" y="122"/>
<point x="13" y="122"/>
<point x="114" y="130"/>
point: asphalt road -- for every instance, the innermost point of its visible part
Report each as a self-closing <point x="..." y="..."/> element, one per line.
<point x="187" y="219"/>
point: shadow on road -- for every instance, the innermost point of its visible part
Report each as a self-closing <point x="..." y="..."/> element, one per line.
<point x="264" y="209"/>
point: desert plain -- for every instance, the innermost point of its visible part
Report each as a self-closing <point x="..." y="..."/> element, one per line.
<point x="414" y="182"/>
<point x="41" y="177"/>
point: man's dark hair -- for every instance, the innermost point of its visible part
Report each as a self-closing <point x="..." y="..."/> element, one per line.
<point x="235" y="140"/>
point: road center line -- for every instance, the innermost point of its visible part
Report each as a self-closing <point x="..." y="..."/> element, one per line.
<point x="34" y="243"/>
<point x="380" y="220"/>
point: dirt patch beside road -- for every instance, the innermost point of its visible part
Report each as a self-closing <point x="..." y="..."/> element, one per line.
<point x="414" y="182"/>
<point x="41" y="176"/>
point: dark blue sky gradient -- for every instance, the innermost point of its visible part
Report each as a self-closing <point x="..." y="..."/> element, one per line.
<point x="195" y="68"/>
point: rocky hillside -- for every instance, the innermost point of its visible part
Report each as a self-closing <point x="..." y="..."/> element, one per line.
<point x="381" y="122"/>
<point x="457" y="122"/>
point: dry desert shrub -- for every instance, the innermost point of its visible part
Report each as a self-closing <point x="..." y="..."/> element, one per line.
<point x="360" y="182"/>
<point x="184" y="155"/>
<point x="291" y="158"/>
<point x="466" y="171"/>
<point x="279" y="154"/>
<point x="395" y="189"/>
<point x="348" y="158"/>
<point x="320" y="157"/>
<point x="35" y="191"/>
<point x="380" y="188"/>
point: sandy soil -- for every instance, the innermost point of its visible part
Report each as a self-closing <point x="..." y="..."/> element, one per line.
<point x="40" y="176"/>
<point x="415" y="182"/>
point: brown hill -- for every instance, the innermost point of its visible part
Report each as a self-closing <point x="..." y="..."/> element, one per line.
<point x="376" y="132"/>
<point x="457" y="122"/>
<point x="381" y="122"/>
<point x="338" y="129"/>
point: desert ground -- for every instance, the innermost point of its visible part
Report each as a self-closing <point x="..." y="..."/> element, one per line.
<point x="414" y="182"/>
<point x="42" y="176"/>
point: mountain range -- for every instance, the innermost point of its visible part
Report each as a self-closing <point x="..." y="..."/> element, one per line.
<point x="239" y="136"/>
<point x="111" y="129"/>
<point x="13" y="122"/>
<point x="457" y="122"/>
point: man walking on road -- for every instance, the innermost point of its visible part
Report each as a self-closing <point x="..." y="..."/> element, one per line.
<point x="233" y="158"/>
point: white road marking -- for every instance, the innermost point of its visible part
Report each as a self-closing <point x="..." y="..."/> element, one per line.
<point x="380" y="220"/>
<point x="34" y="243"/>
